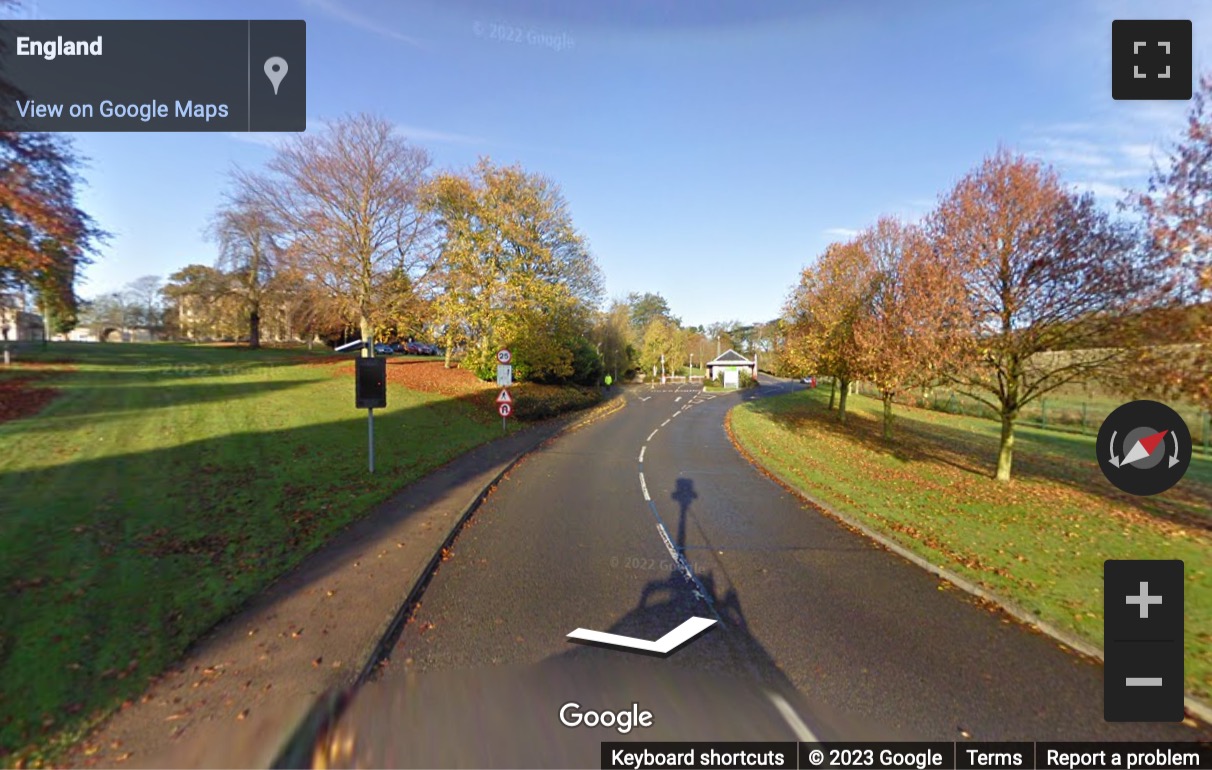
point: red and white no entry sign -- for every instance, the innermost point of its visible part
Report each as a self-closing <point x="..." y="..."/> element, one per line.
<point x="504" y="409"/>
<point x="504" y="356"/>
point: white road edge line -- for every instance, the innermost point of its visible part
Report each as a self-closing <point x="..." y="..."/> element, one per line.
<point x="650" y="435"/>
<point x="802" y="733"/>
<point x="644" y="486"/>
<point x="642" y="452"/>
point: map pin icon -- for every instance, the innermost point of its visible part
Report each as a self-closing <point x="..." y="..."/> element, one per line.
<point x="275" y="70"/>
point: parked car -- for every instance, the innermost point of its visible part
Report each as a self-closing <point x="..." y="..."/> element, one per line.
<point x="383" y="349"/>
<point x="397" y="347"/>
<point x="810" y="381"/>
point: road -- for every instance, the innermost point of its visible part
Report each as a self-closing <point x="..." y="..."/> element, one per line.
<point x="821" y="633"/>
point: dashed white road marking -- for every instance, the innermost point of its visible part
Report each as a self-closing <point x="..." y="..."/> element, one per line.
<point x="642" y="452"/>
<point x="792" y="719"/>
<point x="644" y="486"/>
<point x="650" y="435"/>
<point x="675" y="414"/>
<point x="645" y="398"/>
<point x="679" y="398"/>
<point x="664" y="423"/>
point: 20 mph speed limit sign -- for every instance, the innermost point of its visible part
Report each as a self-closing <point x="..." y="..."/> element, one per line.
<point x="504" y="356"/>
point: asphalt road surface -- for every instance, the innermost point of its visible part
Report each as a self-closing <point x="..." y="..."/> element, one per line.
<point x="821" y="634"/>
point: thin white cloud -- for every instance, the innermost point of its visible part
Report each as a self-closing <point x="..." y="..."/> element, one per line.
<point x="1109" y="157"/>
<point x="411" y="133"/>
<point x="1104" y="146"/>
<point x="417" y="134"/>
<point x="1104" y="191"/>
<point x="841" y="232"/>
<point x="1067" y="151"/>
<point x="262" y="138"/>
<point x="355" y="18"/>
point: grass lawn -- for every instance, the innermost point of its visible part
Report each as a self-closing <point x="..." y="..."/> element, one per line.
<point x="1074" y="407"/>
<point x="1039" y="540"/>
<point x="165" y="486"/>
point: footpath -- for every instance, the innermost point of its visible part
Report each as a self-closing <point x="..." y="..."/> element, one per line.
<point x="240" y="692"/>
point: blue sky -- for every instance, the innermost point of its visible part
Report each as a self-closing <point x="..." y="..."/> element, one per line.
<point x="708" y="151"/>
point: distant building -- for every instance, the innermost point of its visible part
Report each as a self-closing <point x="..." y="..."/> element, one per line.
<point x="125" y="334"/>
<point x="17" y="324"/>
<point x="731" y="363"/>
<point x="79" y="334"/>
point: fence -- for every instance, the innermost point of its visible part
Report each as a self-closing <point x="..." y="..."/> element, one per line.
<point x="1060" y="413"/>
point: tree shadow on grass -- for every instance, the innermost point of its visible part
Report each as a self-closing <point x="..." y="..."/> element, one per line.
<point x="134" y="556"/>
<point x="1057" y="458"/>
<point x="78" y="408"/>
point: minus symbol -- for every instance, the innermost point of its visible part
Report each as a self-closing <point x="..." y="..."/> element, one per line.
<point x="1144" y="681"/>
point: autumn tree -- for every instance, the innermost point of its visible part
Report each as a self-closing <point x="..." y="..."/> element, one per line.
<point x="45" y="238"/>
<point x="348" y="202"/>
<point x="696" y="346"/>
<point x="312" y="310"/>
<point x="1177" y="209"/>
<point x="659" y="345"/>
<point x="823" y="312"/>
<point x="613" y="336"/>
<point x="914" y="319"/>
<point x="512" y="270"/>
<point x="145" y="296"/>
<point x="201" y="303"/>
<point x="111" y="310"/>
<point x="1044" y="270"/>
<point x="250" y="251"/>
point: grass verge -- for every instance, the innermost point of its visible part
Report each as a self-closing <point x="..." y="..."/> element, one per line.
<point x="162" y="488"/>
<point x="1040" y="540"/>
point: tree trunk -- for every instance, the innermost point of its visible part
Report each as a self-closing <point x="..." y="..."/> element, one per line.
<point x="887" y="416"/>
<point x="832" y="391"/>
<point x="254" y="328"/>
<point x="368" y="336"/>
<point x="1005" y="454"/>
<point x="841" y="401"/>
<point x="449" y="349"/>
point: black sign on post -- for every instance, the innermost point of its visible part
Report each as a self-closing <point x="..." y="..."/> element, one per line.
<point x="371" y="390"/>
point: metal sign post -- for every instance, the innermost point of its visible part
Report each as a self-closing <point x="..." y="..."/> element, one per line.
<point x="370" y="391"/>
<point x="504" y="380"/>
